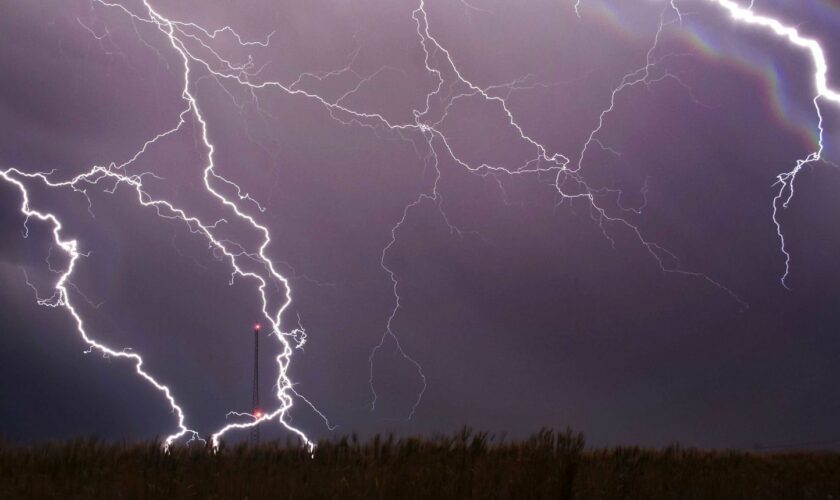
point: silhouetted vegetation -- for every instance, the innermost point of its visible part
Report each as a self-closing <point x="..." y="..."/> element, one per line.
<point x="467" y="465"/>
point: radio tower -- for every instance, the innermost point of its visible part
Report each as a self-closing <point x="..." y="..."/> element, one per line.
<point x="255" y="397"/>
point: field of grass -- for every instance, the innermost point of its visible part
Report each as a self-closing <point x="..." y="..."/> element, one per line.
<point x="467" y="465"/>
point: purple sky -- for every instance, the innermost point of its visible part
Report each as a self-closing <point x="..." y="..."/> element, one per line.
<point x="524" y="309"/>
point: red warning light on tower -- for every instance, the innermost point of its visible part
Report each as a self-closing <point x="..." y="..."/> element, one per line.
<point x="257" y="327"/>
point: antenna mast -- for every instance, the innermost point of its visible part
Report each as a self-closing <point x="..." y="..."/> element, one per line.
<point x="255" y="396"/>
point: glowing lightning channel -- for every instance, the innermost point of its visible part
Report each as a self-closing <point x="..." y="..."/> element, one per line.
<point x="668" y="261"/>
<point x="542" y="162"/>
<point x="167" y="210"/>
<point x="62" y="296"/>
<point x="283" y="384"/>
<point x="786" y="180"/>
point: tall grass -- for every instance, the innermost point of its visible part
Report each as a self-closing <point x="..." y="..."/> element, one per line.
<point x="466" y="465"/>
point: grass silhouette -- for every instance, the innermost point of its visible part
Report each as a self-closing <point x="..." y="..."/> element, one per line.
<point x="461" y="466"/>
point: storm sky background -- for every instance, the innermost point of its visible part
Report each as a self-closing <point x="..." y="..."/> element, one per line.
<point x="532" y="314"/>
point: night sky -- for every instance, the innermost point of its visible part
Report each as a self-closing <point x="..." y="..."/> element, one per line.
<point x="525" y="308"/>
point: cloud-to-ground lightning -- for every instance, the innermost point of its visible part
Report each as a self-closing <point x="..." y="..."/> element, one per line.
<point x="450" y="87"/>
<point x="117" y="173"/>
<point x="61" y="297"/>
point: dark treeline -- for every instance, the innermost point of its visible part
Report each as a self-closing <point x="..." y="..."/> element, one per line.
<point x="463" y="466"/>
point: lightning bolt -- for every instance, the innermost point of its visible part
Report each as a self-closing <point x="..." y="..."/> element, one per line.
<point x="543" y="161"/>
<point x="785" y="180"/>
<point x="558" y="163"/>
<point x="61" y="298"/>
<point x="283" y="384"/>
<point x="823" y="92"/>
<point x="451" y="86"/>
<point x="116" y="173"/>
